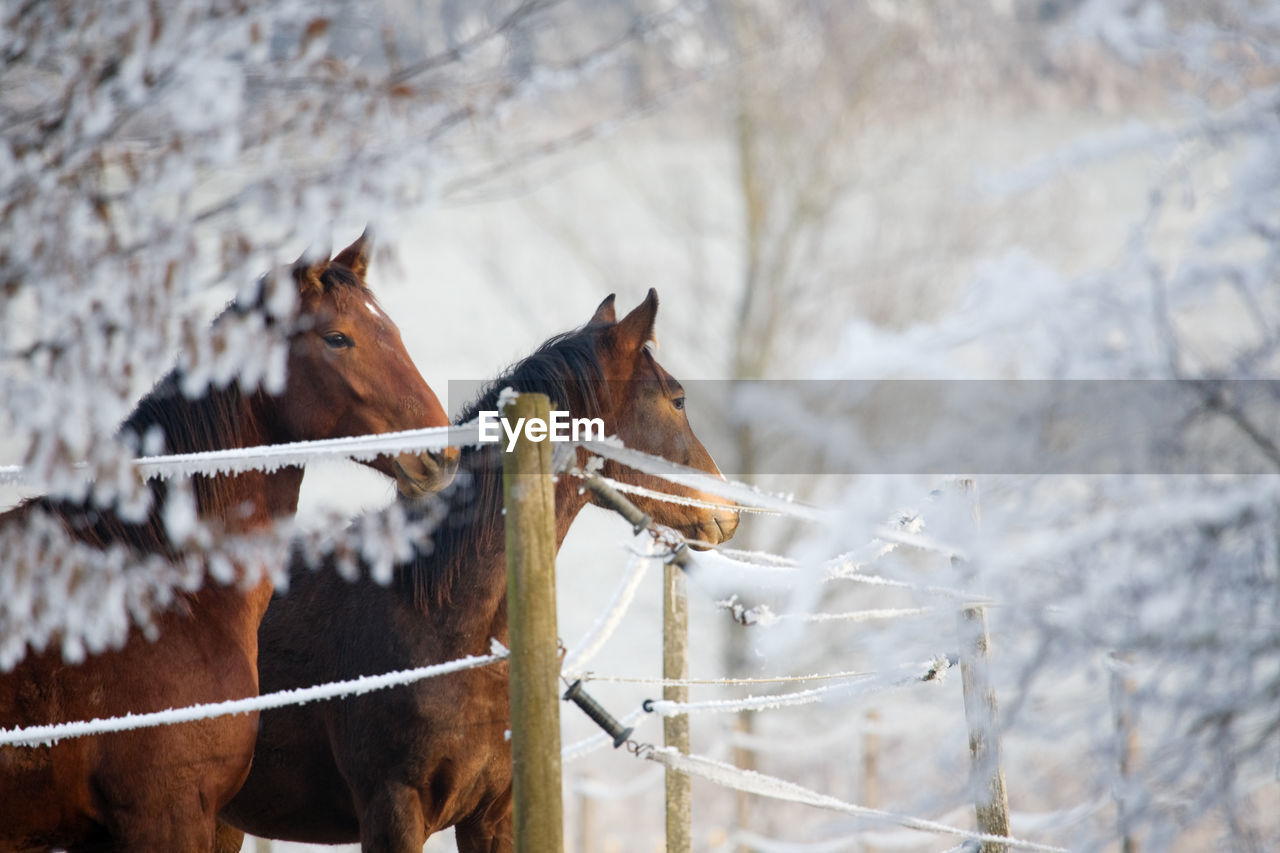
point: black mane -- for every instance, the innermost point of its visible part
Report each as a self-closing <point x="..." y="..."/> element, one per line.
<point x="568" y="370"/>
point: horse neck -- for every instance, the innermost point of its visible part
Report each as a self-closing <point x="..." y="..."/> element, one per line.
<point x="475" y="573"/>
<point x="225" y="419"/>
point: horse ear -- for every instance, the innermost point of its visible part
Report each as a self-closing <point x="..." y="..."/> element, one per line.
<point x="605" y="315"/>
<point x="636" y="329"/>
<point x="307" y="269"/>
<point x="356" y="256"/>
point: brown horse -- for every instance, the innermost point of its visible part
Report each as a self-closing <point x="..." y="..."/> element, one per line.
<point x="159" y="789"/>
<point x="391" y="768"/>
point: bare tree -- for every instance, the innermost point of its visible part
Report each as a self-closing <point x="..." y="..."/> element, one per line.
<point x="158" y="158"/>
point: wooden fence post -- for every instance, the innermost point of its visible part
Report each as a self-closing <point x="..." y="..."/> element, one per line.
<point x="981" y="712"/>
<point x="1122" y="687"/>
<point x="675" y="667"/>
<point x="675" y="729"/>
<point x="529" y="502"/>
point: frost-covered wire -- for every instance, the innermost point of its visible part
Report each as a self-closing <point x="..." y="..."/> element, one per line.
<point x="598" y="634"/>
<point x="934" y="670"/>
<point x="856" y="615"/>
<point x="682" y="475"/>
<point x="853" y="572"/>
<point x="45" y="735"/>
<point x="761" y="558"/>
<point x="751" y="782"/>
<point x="845" y="567"/>
<point x="271" y="457"/>
<point x="723" y="682"/>
<point x="680" y="500"/>
<point x="895" y="839"/>
<point x="364" y="447"/>
<point x="899" y="536"/>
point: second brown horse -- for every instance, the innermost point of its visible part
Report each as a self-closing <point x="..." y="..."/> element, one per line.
<point x="391" y="768"/>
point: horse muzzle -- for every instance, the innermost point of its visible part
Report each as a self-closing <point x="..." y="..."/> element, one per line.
<point x="716" y="530"/>
<point x="420" y="474"/>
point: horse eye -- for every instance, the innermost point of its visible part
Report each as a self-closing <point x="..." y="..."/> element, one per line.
<point x="337" y="340"/>
<point x="678" y="402"/>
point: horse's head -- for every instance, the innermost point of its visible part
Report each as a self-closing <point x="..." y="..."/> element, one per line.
<point x="349" y="373"/>
<point x="646" y="409"/>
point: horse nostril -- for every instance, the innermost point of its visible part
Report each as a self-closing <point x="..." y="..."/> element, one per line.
<point x="726" y="524"/>
<point x="446" y="458"/>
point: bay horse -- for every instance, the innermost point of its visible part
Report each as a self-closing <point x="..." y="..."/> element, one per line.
<point x="159" y="789"/>
<point x="391" y="768"/>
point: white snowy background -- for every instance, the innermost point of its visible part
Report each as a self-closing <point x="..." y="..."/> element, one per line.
<point x="1011" y="189"/>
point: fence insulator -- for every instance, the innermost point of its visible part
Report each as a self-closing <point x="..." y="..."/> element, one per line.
<point x="595" y="711"/>
<point x="639" y="521"/>
<point x="680" y="555"/>
<point x="611" y="496"/>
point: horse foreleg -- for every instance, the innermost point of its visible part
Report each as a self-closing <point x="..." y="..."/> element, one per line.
<point x="487" y="833"/>
<point x="227" y="839"/>
<point x="177" y="831"/>
<point x="391" y="821"/>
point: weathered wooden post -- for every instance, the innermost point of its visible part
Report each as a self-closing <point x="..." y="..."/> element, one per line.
<point x="675" y="729"/>
<point x="980" y="710"/>
<point x="981" y="713"/>
<point x="529" y="501"/>
<point x="1122" y="687"/>
<point x="675" y="666"/>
